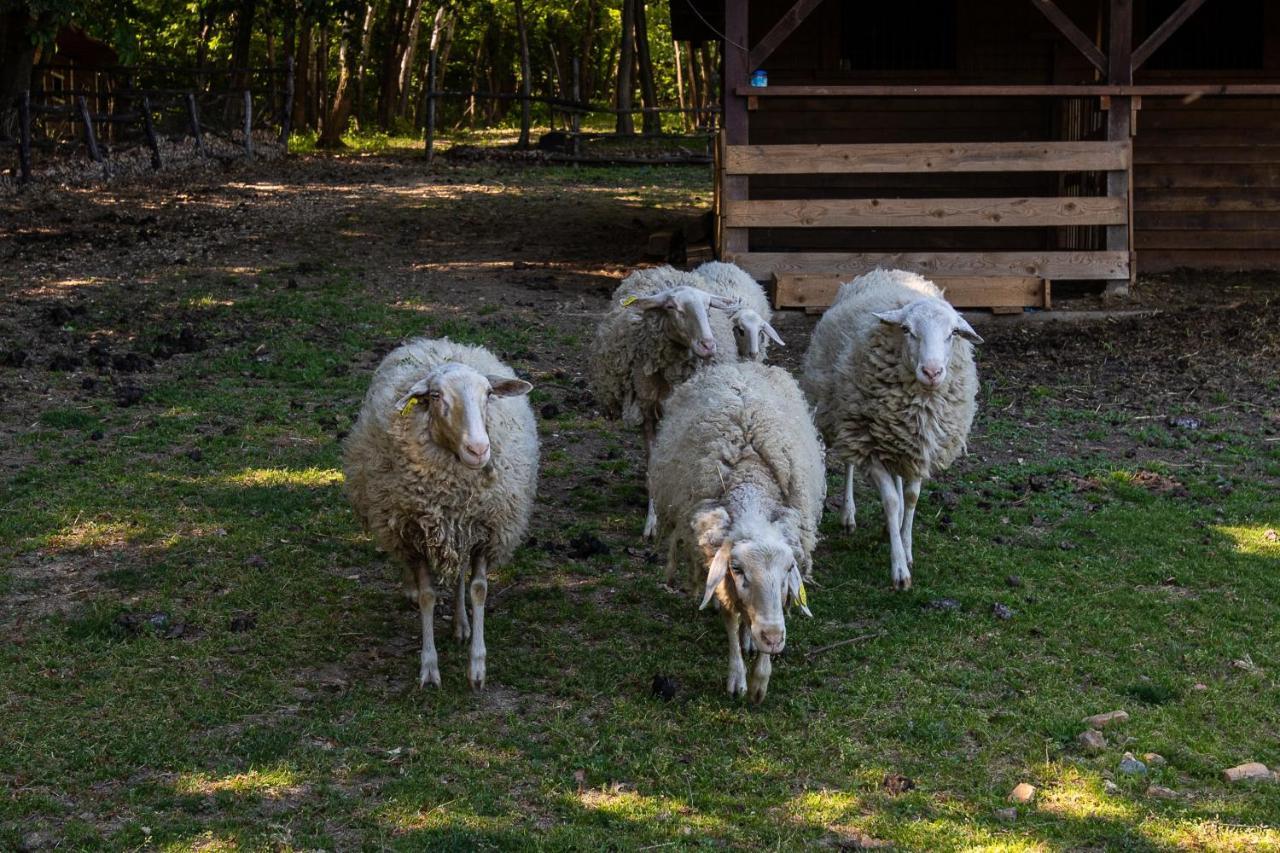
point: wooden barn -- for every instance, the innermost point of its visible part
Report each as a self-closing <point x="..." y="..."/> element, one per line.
<point x="1001" y="143"/>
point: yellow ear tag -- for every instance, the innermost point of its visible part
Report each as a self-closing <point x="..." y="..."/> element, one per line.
<point x="627" y="300"/>
<point x="408" y="407"/>
<point x="803" y="596"/>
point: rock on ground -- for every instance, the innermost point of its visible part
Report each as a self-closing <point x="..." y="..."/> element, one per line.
<point x="1098" y="721"/>
<point x="1022" y="793"/>
<point x="1252" y="771"/>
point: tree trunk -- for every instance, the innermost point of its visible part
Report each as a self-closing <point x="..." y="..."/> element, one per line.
<point x="322" y="78"/>
<point x="240" y="45"/>
<point x="17" y="55"/>
<point x="624" y="89"/>
<point x="406" y="62"/>
<point x="351" y="48"/>
<point x="302" y="77"/>
<point x="587" y="81"/>
<point x="525" y="105"/>
<point x="648" y="91"/>
<point x="684" y="116"/>
<point x="709" y="93"/>
<point x="473" y="105"/>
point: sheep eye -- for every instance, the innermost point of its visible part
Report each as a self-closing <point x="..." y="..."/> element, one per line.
<point x="737" y="330"/>
<point x="433" y="395"/>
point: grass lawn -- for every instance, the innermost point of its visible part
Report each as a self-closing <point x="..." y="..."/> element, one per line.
<point x="202" y="651"/>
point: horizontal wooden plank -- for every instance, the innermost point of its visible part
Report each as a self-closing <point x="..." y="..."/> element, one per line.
<point x="1164" y="260"/>
<point x="1182" y="154"/>
<point x="1206" y="239"/>
<point x="1208" y="220"/>
<point x="926" y="212"/>
<point x="793" y="290"/>
<point x="1195" y="200"/>
<point x="1050" y="265"/>
<point x="926" y="157"/>
<point x="1012" y="90"/>
<point x="1206" y="175"/>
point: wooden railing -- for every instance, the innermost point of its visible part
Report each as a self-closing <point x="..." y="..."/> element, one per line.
<point x="740" y="214"/>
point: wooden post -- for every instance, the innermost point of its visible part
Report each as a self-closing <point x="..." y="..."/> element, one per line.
<point x="193" y="116"/>
<point x="1120" y="129"/>
<point x="431" y="104"/>
<point x="734" y="187"/>
<point x="286" y="112"/>
<point x="24" y="136"/>
<point x="90" y="141"/>
<point x="525" y="104"/>
<point x="248" y="124"/>
<point x="149" y="128"/>
<point x="575" y="118"/>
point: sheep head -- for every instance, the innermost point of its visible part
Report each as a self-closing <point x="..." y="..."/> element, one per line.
<point x="752" y="332"/>
<point x="684" y="316"/>
<point x="455" y="400"/>
<point x="929" y="328"/>
<point x="752" y="567"/>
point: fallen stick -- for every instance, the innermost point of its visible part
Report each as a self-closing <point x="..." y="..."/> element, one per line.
<point x="822" y="649"/>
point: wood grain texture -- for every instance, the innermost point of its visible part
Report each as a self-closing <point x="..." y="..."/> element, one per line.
<point x="1048" y="264"/>
<point x="925" y="212"/>
<point x="793" y="290"/>
<point x="927" y="157"/>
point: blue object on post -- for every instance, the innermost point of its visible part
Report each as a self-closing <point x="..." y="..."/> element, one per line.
<point x="760" y="79"/>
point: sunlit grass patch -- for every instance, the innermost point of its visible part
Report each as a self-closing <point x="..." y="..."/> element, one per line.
<point x="94" y="534"/>
<point x="276" y="782"/>
<point x="312" y="478"/>
<point x="1260" y="540"/>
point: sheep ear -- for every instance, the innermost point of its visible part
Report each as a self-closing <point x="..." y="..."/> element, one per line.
<point x="715" y="572"/>
<point x="725" y="304"/>
<point x="773" y="335"/>
<point x="795" y="591"/>
<point x="662" y="300"/>
<point x="419" y="389"/>
<point x="710" y="526"/>
<point x="505" y="387"/>
<point x="896" y="317"/>
<point x="964" y="330"/>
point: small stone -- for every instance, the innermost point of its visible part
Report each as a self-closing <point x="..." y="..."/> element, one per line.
<point x="1199" y="686"/>
<point x="1160" y="792"/>
<point x="1109" y="787"/>
<point x="1132" y="766"/>
<point x="195" y="454"/>
<point x="1092" y="740"/>
<point x="1251" y="772"/>
<point x="896" y="783"/>
<point x="945" y="605"/>
<point x="1154" y="759"/>
<point x="1014" y="581"/>
<point x="1184" y="422"/>
<point x="1098" y="721"/>
<point x="1008" y="815"/>
<point x="1022" y="793"/>
<point x="1271" y="535"/>
<point x="1002" y="611"/>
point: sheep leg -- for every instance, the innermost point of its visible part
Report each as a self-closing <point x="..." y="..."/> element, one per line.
<point x="673" y="562"/>
<point x="650" y="431"/>
<point x="479" y="593"/>
<point x="461" y="628"/>
<point x="910" y="495"/>
<point x="892" y="502"/>
<point x="429" y="670"/>
<point x="409" y="584"/>
<point x="902" y="507"/>
<point x="849" y="515"/>
<point x="760" y="677"/>
<point x="747" y="644"/>
<point x="737" y="684"/>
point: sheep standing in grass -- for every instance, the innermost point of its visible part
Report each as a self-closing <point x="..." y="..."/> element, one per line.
<point x="738" y="479"/>
<point x="751" y="321"/>
<point x="662" y="326"/>
<point x="441" y="467"/>
<point x="890" y="370"/>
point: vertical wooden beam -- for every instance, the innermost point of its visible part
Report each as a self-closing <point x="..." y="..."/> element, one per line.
<point x="735" y="117"/>
<point x="24" y="136"/>
<point x="149" y="129"/>
<point x="1120" y="129"/>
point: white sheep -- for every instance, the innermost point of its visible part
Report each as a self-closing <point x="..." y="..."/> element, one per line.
<point x="890" y="371"/>
<point x="751" y="322"/>
<point x="442" y="467"/>
<point x="738" y="479"/>
<point x="660" y="328"/>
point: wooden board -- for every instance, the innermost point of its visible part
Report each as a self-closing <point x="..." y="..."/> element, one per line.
<point x="812" y="291"/>
<point x="1065" y="265"/>
<point x="926" y="212"/>
<point x="926" y="157"/>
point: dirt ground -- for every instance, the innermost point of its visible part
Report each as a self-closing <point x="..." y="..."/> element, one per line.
<point x="84" y="270"/>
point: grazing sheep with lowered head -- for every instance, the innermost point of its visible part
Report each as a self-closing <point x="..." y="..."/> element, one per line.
<point x="441" y="467"/>
<point x="751" y="327"/>
<point x="661" y="326"/>
<point x="890" y="371"/>
<point x="738" y="479"/>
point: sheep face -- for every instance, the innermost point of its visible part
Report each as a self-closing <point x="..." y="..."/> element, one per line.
<point x="750" y="331"/>
<point x="929" y="328"/>
<point x="684" y="316"/>
<point x="753" y="568"/>
<point x="455" y="399"/>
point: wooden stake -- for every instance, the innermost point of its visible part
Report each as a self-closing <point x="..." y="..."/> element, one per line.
<point x="248" y="124"/>
<point x="193" y="115"/>
<point x="24" y="136"/>
<point x="431" y="105"/>
<point x="90" y="141"/>
<point x="149" y="128"/>
<point x="286" y="112"/>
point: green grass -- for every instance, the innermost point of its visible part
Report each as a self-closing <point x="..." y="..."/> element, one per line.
<point x="285" y="714"/>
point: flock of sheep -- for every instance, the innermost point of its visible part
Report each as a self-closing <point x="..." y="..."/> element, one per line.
<point x="441" y="466"/>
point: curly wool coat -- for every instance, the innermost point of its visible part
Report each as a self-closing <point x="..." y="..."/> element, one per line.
<point x="415" y="498"/>
<point x="634" y="365"/>
<point x="867" y="400"/>
<point x="732" y="426"/>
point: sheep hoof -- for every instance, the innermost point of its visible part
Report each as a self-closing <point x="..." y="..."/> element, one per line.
<point x="475" y="674"/>
<point x="737" y="685"/>
<point x="462" y="632"/>
<point x="903" y="583"/>
<point x="429" y="673"/>
<point x="758" y="692"/>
